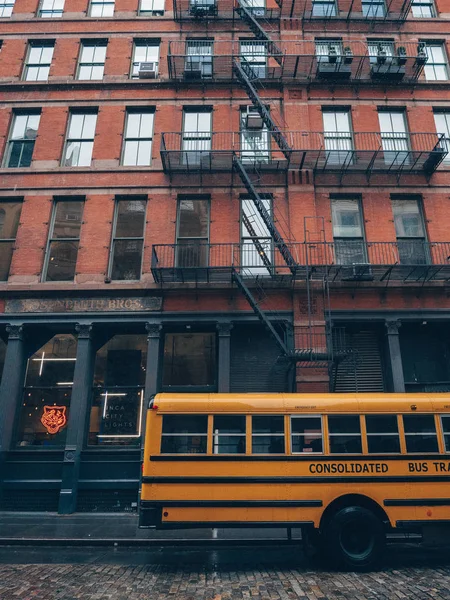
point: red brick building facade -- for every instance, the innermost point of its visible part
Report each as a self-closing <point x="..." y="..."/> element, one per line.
<point x="207" y="196"/>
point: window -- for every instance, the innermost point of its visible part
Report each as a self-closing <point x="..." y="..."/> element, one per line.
<point x="6" y="8"/>
<point x="229" y="434"/>
<point x="338" y="137"/>
<point x="423" y="9"/>
<point x="9" y="223"/>
<point x="196" y="143"/>
<point x="151" y="8"/>
<point x="256" y="7"/>
<point x="145" y="51"/>
<point x="192" y="233"/>
<point x="306" y="435"/>
<point x="51" y="9"/>
<point x="381" y="51"/>
<point x="420" y="433"/>
<point x="63" y="241"/>
<point x="189" y="361"/>
<point x="255" y="139"/>
<point x="268" y="435"/>
<point x="394" y="137"/>
<point x="348" y="233"/>
<point x="254" y="58"/>
<point x="344" y="434"/>
<point x="38" y="61"/>
<point x="44" y="412"/>
<point x="128" y="239"/>
<point x="80" y="139"/>
<point x="436" y="68"/>
<point x="256" y="241"/>
<point x="446" y="429"/>
<point x="442" y="122"/>
<point x="199" y="59"/>
<point x="22" y="137"/>
<point x="410" y="230"/>
<point x="373" y="8"/>
<point x="329" y="51"/>
<point x="101" y="8"/>
<point x="118" y="394"/>
<point x="184" y="434"/>
<point x="382" y="434"/>
<point x="92" y="60"/>
<point x="137" y="144"/>
<point x="323" y="8"/>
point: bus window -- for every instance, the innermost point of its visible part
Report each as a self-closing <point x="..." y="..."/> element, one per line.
<point x="229" y="434"/>
<point x="446" y="429"/>
<point x="306" y="434"/>
<point x="344" y="434"/>
<point x="420" y="433"/>
<point x="382" y="434"/>
<point x="184" y="434"/>
<point x="268" y="435"/>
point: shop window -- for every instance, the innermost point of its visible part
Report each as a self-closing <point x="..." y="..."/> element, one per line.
<point x="63" y="241"/>
<point x="22" y="137"/>
<point x="118" y="394"/>
<point x="268" y="435"/>
<point x="44" y="412"/>
<point x="9" y="223"/>
<point x="189" y="361"/>
<point x="128" y="239"/>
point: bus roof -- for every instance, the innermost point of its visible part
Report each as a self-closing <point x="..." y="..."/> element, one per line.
<point x="301" y="403"/>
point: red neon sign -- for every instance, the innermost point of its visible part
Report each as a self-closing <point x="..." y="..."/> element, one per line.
<point x="54" y="418"/>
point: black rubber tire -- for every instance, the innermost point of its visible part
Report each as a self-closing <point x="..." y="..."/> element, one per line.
<point x="354" y="538"/>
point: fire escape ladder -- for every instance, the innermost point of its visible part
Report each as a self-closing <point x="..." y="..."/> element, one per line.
<point x="257" y="243"/>
<point x="259" y="313"/>
<point x="260" y="33"/>
<point x="272" y="127"/>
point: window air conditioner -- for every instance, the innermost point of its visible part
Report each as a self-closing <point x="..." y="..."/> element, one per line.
<point x="381" y="55"/>
<point x="148" y="70"/>
<point x="253" y="119"/>
<point x="333" y="52"/>
<point x="422" y="56"/>
<point x="193" y="69"/>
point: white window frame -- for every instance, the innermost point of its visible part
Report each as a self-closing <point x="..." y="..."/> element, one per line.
<point x="442" y="123"/>
<point x="338" y="136"/>
<point x="26" y="139"/>
<point x="149" y="53"/>
<point x="156" y="10"/>
<point x="419" y="8"/>
<point x="86" y="138"/>
<point x="140" y="139"/>
<point x="42" y="68"/>
<point x="395" y="140"/>
<point x="436" y="67"/>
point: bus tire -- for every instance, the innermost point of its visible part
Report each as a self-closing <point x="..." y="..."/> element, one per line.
<point x="354" y="537"/>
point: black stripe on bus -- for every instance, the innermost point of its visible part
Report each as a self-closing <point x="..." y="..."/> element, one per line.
<point x="240" y="525"/>
<point x="417" y="502"/>
<point x="297" y="457"/>
<point x="231" y="503"/>
<point x="306" y="480"/>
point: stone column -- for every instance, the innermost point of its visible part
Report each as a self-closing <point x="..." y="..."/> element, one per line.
<point x="395" y="355"/>
<point x="223" y="378"/>
<point x="152" y="369"/>
<point x="78" y="418"/>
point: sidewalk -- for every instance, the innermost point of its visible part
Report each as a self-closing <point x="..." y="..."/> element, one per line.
<point x="113" y="528"/>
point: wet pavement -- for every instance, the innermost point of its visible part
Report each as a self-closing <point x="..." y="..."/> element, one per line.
<point x="259" y="572"/>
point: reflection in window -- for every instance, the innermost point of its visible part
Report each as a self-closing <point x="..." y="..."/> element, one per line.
<point x="229" y="434"/>
<point x="117" y="403"/>
<point x="48" y="388"/>
<point x="189" y="360"/>
<point x="184" y="434"/>
<point x="268" y="435"/>
<point x="410" y="230"/>
<point x="306" y="434"/>
<point x="420" y="433"/>
<point x="344" y="434"/>
<point x="9" y="223"/>
<point x="442" y="122"/>
<point x="64" y="238"/>
<point x="22" y="138"/>
<point x="382" y="434"/>
<point x="128" y="239"/>
<point x="373" y="8"/>
<point x="348" y="232"/>
<point x="80" y="139"/>
<point x="192" y="233"/>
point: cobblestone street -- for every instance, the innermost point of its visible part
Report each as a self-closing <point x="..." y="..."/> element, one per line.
<point x="260" y="573"/>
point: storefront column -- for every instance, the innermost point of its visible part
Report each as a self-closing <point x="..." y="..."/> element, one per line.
<point x="78" y="417"/>
<point x="151" y="369"/>
<point x="223" y="378"/>
<point x="11" y="389"/>
<point x="395" y="355"/>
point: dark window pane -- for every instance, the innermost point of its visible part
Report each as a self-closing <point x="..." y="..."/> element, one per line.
<point x="419" y="424"/>
<point x="9" y="219"/>
<point x="67" y="221"/>
<point x="302" y="424"/>
<point x="378" y="444"/>
<point x="192" y="254"/>
<point x="189" y="359"/>
<point x="62" y="261"/>
<point x="130" y="218"/>
<point x="54" y="363"/>
<point x="447" y="442"/>
<point x="229" y="424"/>
<point x="21" y="154"/>
<point x="6" y="251"/>
<point x="345" y="444"/>
<point x="268" y="444"/>
<point x="127" y="259"/>
<point x="229" y="444"/>
<point x="421" y="443"/>
<point x="344" y="424"/>
<point x="193" y="218"/>
<point x="446" y="424"/>
<point x="306" y="443"/>
<point x="183" y="444"/>
<point x="381" y="424"/>
<point x="306" y="434"/>
<point x="185" y="424"/>
<point x="115" y="417"/>
<point x="268" y="424"/>
<point x="43" y="417"/>
<point x="121" y="361"/>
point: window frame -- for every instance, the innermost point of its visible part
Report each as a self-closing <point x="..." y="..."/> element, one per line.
<point x="324" y="14"/>
<point x="91" y="43"/>
<point x="172" y="435"/>
<point x="10" y="240"/>
<point x="370" y="14"/>
<point x="4" y="6"/>
<point x="199" y="240"/>
<point x="430" y="64"/>
<point x="445" y="113"/>
<point x="349" y="137"/>
<point x="422" y="239"/>
<point x="140" y="111"/>
<point x="359" y="435"/>
<point x="443" y="432"/>
<point x="151" y="13"/>
<point x="35" y="44"/>
<point x="10" y="141"/>
<point x="278" y="435"/>
<point x="52" y="13"/>
<point x="424" y="3"/>
<point x="341" y="240"/>
<point x="292" y="434"/>
<point x="393" y="137"/>
<point x="147" y="43"/>
<point x="398" y="434"/>
<point x="101" y="3"/>
<point x="68" y="140"/>
<point x="233" y="435"/>
<point x="406" y="434"/>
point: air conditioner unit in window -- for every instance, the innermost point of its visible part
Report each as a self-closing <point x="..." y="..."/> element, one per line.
<point x="193" y="69"/>
<point x="253" y="119"/>
<point x="333" y="53"/>
<point x="422" y="55"/>
<point x="148" y="70"/>
<point x="202" y="8"/>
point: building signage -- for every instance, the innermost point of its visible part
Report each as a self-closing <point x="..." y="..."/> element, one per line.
<point x="66" y="305"/>
<point x="54" y="418"/>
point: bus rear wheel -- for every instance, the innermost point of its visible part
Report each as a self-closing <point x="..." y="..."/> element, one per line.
<point x="354" y="537"/>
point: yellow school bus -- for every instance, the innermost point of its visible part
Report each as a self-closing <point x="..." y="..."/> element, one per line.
<point x="348" y="468"/>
